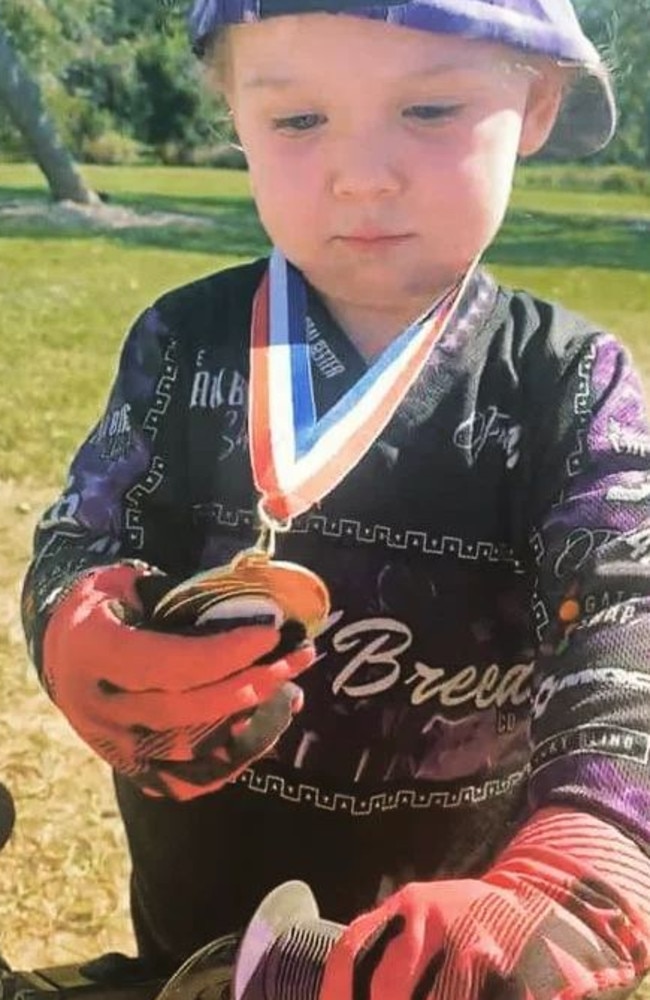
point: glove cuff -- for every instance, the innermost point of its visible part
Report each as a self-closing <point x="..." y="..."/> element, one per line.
<point x="115" y="580"/>
<point x="587" y="866"/>
<point x="580" y="844"/>
<point x="115" y="583"/>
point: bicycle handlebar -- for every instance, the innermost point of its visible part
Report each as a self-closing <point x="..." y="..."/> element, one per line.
<point x="283" y="951"/>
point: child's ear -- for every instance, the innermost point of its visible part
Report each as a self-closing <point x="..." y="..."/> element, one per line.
<point x="542" y="108"/>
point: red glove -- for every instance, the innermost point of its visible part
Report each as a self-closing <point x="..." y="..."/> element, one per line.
<point x="171" y="712"/>
<point x="564" y="914"/>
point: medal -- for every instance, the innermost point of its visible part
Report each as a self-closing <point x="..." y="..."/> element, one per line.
<point x="249" y="586"/>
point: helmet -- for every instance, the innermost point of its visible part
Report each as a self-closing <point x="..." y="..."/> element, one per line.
<point x="587" y="119"/>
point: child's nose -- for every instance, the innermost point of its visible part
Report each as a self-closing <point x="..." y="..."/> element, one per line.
<point x="366" y="167"/>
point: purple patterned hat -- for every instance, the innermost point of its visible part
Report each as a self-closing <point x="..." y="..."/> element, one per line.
<point x="545" y="27"/>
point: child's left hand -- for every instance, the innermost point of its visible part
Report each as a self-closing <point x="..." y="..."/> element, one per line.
<point x="546" y="922"/>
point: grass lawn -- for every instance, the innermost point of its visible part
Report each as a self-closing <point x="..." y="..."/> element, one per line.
<point x="68" y="295"/>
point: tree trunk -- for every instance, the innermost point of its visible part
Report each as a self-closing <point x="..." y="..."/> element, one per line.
<point x="21" y="96"/>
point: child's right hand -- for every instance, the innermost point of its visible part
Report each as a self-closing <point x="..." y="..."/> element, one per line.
<point x="171" y="712"/>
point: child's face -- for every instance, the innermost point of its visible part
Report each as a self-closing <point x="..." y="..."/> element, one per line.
<point x="381" y="158"/>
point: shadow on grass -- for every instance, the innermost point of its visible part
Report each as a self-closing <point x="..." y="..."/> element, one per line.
<point x="539" y="239"/>
<point x="195" y="204"/>
<point x="231" y="227"/>
<point x="19" y="194"/>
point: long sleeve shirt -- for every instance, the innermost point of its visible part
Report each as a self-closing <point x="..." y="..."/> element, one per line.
<point x="488" y="560"/>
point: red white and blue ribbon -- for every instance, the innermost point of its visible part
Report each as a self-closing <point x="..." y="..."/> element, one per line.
<point x="297" y="457"/>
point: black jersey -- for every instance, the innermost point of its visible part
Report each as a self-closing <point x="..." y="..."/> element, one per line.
<point x="488" y="559"/>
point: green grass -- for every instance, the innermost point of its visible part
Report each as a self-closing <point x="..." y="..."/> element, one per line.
<point x="67" y="296"/>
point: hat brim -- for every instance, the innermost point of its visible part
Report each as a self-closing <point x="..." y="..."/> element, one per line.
<point x="587" y="119"/>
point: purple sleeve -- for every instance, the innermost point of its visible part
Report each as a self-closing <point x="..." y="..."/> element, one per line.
<point x="591" y="710"/>
<point x="88" y="525"/>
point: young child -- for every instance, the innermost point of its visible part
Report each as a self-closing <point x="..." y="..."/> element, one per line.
<point x="458" y="763"/>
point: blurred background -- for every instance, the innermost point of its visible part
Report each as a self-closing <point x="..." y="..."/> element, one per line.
<point x="118" y="180"/>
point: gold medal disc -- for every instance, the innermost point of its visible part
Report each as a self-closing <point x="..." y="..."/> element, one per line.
<point x="252" y="575"/>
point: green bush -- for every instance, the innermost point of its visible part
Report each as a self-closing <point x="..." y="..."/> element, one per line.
<point x="224" y="154"/>
<point x="584" y="177"/>
<point x="626" y="180"/>
<point x="110" y="149"/>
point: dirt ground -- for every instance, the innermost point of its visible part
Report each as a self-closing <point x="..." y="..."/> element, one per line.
<point x="63" y="875"/>
<point x="70" y="215"/>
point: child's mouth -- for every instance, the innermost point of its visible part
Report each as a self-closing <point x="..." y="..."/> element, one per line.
<point x="373" y="240"/>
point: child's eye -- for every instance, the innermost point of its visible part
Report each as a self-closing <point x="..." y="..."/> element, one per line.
<point x="298" y="123"/>
<point x="431" y="112"/>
